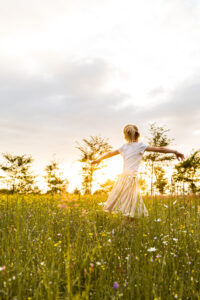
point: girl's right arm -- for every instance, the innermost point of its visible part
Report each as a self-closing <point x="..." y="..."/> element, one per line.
<point x="107" y="155"/>
<point x="165" y="150"/>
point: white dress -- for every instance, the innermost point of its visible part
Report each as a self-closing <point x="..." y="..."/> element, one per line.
<point x="125" y="196"/>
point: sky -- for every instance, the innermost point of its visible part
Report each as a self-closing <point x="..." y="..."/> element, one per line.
<point x="75" y="68"/>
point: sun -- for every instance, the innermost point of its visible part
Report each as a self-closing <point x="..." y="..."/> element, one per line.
<point x="112" y="168"/>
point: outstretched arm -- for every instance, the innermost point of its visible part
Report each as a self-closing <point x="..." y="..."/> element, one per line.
<point x="165" y="150"/>
<point x="106" y="155"/>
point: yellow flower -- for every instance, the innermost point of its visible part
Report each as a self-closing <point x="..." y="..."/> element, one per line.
<point x="58" y="243"/>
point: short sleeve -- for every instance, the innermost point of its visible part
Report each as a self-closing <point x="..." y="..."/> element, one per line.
<point x="120" y="149"/>
<point x="142" y="147"/>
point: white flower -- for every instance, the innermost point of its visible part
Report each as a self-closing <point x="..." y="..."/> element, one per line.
<point x="100" y="203"/>
<point x="152" y="249"/>
<point x="98" y="263"/>
<point x="174" y="239"/>
<point x="174" y="202"/>
<point x="158" y="220"/>
<point x="165" y="205"/>
<point x="109" y="240"/>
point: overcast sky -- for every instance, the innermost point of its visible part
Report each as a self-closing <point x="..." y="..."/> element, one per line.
<point x="74" y="68"/>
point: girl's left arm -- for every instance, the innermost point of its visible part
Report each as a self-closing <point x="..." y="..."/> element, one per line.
<point x="166" y="150"/>
<point x="106" y="155"/>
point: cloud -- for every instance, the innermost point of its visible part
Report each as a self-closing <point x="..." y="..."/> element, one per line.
<point x="68" y="71"/>
<point x="72" y="100"/>
<point x="68" y="102"/>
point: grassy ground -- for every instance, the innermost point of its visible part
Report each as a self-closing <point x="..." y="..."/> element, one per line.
<point x="68" y="248"/>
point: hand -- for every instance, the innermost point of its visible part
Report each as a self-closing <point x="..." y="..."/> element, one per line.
<point x="95" y="162"/>
<point x="179" y="155"/>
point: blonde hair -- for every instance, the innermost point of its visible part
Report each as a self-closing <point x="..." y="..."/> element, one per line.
<point x="131" y="133"/>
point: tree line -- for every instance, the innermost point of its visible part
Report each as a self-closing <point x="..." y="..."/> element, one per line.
<point x="185" y="178"/>
<point x="19" y="177"/>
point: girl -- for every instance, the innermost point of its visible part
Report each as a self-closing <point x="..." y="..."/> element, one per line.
<point x="125" y="196"/>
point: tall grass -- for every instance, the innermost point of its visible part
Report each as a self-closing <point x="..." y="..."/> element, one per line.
<point x="68" y="248"/>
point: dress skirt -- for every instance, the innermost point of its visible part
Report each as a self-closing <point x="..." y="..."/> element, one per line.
<point x="125" y="197"/>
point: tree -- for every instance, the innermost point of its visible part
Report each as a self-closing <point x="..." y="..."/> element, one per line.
<point x="187" y="171"/>
<point x="158" y="138"/>
<point x="53" y="177"/>
<point x="142" y="184"/>
<point x="17" y="168"/>
<point x="105" y="187"/>
<point x="76" y="191"/>
<point x="90" y="149"/>
<point x="161" y="180"/>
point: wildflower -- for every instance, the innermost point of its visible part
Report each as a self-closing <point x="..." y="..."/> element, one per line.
<point x="103" y="234"/>
<point x="115" y="286"/>
<point x="157" y="220"/>
<point x="174" y="202"/>
<point x="165" y="205"/>
<point x="109" y="240"/>
<point x="91" y="267"/>
<point x="63" y="206"/>
<point x="90" y="234"/>
<point x="100" y="203"/>
<point x="57" y="244"/>
<point x="98" y="263"/>
<point x="152" y="249"/>
<point x="174" y="239"/>
<point x="2" y="268"/>
<point x="125" y="283"/>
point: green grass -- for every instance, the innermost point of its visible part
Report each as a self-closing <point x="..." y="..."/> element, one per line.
<point x="52" y="251"/>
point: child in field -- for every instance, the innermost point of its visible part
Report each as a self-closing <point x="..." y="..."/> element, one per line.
<point x="125" y="196"/>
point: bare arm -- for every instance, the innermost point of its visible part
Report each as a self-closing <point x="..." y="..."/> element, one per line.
<point x="165" y="150"/>
<point x="106" y="155"/>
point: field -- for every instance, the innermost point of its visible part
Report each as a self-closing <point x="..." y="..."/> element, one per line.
<point x="66" y="247"/>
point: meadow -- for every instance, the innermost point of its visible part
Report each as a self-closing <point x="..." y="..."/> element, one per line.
<point x="67" y="247"/>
